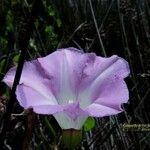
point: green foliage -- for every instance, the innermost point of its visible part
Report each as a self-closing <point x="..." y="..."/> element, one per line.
<point x="123" y="29"/>
<point x="53" y="12"/>
<point x="51" y="35"/>
<point x="49" y="30"/>
<point x="3" y="43"/>
<point x="89" y="124"/>
<point x="9" y="22"/>
<point x="16" y="58"/>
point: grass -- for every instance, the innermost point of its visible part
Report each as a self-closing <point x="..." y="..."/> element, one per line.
<point x="104" y="27"/>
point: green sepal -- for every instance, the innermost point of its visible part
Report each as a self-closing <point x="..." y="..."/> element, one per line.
<point x="71" y="138"/>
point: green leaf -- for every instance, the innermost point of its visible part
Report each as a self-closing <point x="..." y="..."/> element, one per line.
<point x="89" y="124"/>
<point x="49" y="31"/>
<point x="59" y="23"/>
<point x="51" y="11"/>
<point x="16" y="58"/>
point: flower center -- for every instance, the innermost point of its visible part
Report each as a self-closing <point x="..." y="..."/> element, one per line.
<point x="70" y="101"/>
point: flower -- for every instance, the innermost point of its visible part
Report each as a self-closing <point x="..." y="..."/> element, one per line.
<point x="72" y="85"/>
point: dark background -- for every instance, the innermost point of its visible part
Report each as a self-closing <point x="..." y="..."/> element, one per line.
<point x="119" y="27"/>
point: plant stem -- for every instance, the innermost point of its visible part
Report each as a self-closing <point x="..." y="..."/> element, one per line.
<point x="24" y="41"/>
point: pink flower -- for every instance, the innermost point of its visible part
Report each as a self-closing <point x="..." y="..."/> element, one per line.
<point x="72" y="85"/>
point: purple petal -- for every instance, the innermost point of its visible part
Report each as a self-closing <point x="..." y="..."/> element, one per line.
<point x="66" y="67"/>
<point x="9" y="77"/>
<point x="47" y="109"/>
<point x="72" y="85"/>
<point x="97" y="110"/>
<point x="73" y="110"/>
<point x="33" y="79"/>
<point x="71" y="117"/>
<point x="66" y="122"/>
<point x="113" y="93"/>
<point x="28" y="97"/>
<point x="105" y="77"/>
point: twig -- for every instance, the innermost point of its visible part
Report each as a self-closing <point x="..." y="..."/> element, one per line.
<point x="24" y="40"/>
<point x="102" y="24"/>
<point x="32" y="117"/>
<point x="97" y="30"/>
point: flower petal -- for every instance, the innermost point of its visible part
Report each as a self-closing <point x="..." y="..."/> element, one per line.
<point x="113" y="94"/>
<point x="74" y="110"/>
<point x="47" y="109"/>
<point x="71" y="117"/>
<point x="66" y="122"/>
<point x="28" y="97"/>
<point x="102" y="73"/>
<point x="72" y="85"/>
<point x="9" y="77"/>
<point x="34" y="77"/>
<point x="97" y="110"/>
<point x="66" y="66"/>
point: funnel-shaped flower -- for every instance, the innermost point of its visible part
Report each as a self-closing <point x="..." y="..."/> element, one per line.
<point x="72" y="85"/>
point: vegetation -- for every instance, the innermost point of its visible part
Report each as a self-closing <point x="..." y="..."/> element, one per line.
<point x="35" y="28"/>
